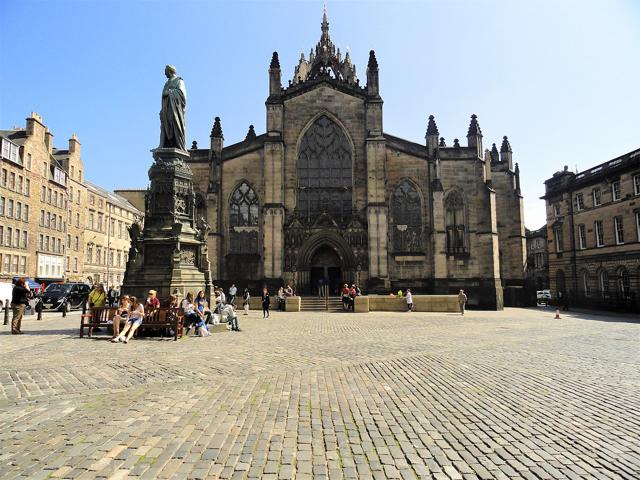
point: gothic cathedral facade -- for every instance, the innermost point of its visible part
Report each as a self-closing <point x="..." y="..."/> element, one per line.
<point x="325" y="195"/>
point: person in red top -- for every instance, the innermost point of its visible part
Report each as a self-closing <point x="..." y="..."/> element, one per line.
<point x="345" y="297"/>
<point x="152" y="302"/>
<point x="353" y="293"/>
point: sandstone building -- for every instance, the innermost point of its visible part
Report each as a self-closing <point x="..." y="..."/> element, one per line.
<point x="593" y="225"/>
<point x="537" y="258"/>
<point x="326" y="193"/>
<point x="44" y="210"/>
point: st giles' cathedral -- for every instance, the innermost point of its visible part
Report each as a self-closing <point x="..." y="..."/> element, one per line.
<point x="325" y="195"/>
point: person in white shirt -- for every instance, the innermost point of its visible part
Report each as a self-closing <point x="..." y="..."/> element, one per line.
<point x="134" y="320"/>
<point x="232" y="294"/>
<point x="229" y="315"/>
<point x="409" y="298"/>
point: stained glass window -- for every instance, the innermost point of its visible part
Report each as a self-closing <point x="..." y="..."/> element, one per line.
<point x="324" y="172"/>
<point x="243" y="220"/>
<point x="406" y="211"/>
<point x="455" y="223"/>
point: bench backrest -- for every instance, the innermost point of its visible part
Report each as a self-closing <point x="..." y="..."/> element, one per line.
<point x="102" y="314"/>
<point x="163" y="315"/>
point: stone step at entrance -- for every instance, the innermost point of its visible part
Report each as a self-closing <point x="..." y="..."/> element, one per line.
<point x="317" y="304"/>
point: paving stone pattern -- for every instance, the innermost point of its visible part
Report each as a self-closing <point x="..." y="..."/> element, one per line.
<point x="513" y="394"/>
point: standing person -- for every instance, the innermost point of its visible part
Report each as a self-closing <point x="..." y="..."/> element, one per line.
<point x="462" y="300"/>
<point x="218" y="301"/>
<point x="409" y="300"/>
<point x="97" y="297"/>
<point x="111" y="296"/>
<point x="152" y="302"/>
<point x="134" y="320"/>
<point x="281" y="299"/>
<point x="246" y="299"/>
<point x="353" y="293"/>
<point x="232" y="293"/>
<point x="266" y="302"/>
<point x="400" y="293"/>
<point x="19" y="300"/>
<point x="223" y="297"/>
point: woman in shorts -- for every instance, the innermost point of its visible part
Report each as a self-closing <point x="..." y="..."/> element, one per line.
<point x="134" y="320"/>
<point x="122" y="313"/>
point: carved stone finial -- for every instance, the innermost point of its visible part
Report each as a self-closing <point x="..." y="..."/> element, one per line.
<point x="275" y="62"/>
<point x="216" y="131"/>
<point x="442" y="142"/>
<point x="251" y="134"/>
<point x="495" y="156"/>
<point x="456" y="143"/>
<point x="194" y="145"/>
<point x="506" y="146"/>
<point x="373" y="61"/>
<point x="432" y="128"/>
<point x="474" y="127"/>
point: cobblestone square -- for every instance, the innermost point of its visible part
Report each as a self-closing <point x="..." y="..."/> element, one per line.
<point x="512" y="394"/>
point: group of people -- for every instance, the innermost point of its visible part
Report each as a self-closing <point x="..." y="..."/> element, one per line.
<point x="348" y="296"/>
<point x="462" y="299"/>
<point x="282" y="295"/>
<point x="197" y="313"/>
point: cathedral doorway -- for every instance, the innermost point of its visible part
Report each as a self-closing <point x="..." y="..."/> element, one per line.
<point x="325" y="269"/>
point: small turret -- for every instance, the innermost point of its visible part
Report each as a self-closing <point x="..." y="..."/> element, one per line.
<point x="275" y="75"/>
<point x="217" y="139"/>
<point x="373" y="87"/>
<point x="495" y="156"/>
<point x="506" y="152"/>
<point x="474" y="135"/>
<point x="432" y="137"/>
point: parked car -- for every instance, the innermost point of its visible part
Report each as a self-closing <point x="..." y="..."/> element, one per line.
<point x="544" y="296"/>
<point x="5" y="293"/>
<point x="55" y="295"/>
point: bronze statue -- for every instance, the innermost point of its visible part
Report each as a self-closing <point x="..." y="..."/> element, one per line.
<point x="172" y="115"/>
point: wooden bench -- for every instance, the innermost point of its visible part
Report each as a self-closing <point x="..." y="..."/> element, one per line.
<point x="97" y="317"/>
<point x="165" y="317"/>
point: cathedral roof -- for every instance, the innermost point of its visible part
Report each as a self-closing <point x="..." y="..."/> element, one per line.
<point x="325" y="61"/>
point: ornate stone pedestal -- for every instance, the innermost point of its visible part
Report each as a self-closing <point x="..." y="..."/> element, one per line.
<point x="170" y="254"/>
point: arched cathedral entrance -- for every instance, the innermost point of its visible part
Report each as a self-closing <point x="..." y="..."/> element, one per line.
<point x="325" y="269"/>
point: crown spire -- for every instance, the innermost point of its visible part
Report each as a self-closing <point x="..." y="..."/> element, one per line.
<point x="216" y="131"/>
<point x="506" y="146"/>
<point x="324" y="27"/>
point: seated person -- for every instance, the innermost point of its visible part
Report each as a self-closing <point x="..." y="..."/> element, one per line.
<point x="229" y="316"/>
<point x="152" y="302"/>
<point x="203" y="307"/>
<point x="134" y="320"/>
<point x="121" y="313"/>
<point x="288" y="291"/>
<point x="191" y="317"/>
<point x="172" y="302"/>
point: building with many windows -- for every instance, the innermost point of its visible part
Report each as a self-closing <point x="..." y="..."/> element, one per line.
<point x="593" y="225"/>
<point x="106" y="236"/>
<point x="537" y="258"/>
<point x="44" y="208"/>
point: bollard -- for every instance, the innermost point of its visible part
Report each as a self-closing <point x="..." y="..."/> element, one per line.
<point x="6" y="312"/>
<point x="64" y="308"/>
<point x="39" y="309"/>
<point x="84" y="307"/>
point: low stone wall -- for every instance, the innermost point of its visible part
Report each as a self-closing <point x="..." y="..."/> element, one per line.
<point x="293" y="304"/>
<point x="421" y="303"/>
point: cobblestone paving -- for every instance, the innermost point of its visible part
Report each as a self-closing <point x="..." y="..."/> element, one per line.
<point x="513" y="394"/>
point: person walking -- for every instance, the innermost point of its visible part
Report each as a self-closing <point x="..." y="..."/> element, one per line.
<point x="233" y="291"/>
<point x="462" y="300"/>
<point x="19" y="300"/>
<point x="246" y="300"/>
<point x="409" y="298"/>
<point x="266" y="302"/>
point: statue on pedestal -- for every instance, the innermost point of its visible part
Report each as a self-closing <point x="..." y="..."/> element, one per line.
<point x="172" y="114"/>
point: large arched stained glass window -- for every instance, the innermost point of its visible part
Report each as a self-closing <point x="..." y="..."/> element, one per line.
<point x="406" y="212"/>
<point x="243" y="220"/>
<point x="455" y="223"/>
<point x="324" y="172"/>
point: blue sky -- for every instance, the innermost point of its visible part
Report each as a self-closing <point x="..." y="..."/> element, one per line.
<point x="560" y="78"/>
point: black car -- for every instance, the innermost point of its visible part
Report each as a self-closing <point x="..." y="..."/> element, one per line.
<point x="75" y="294"/>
